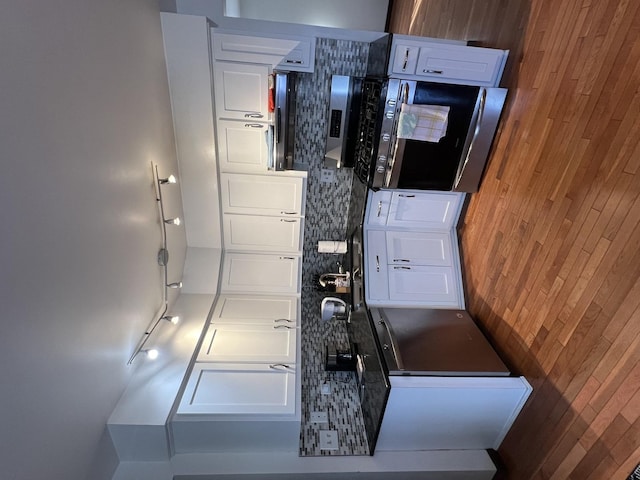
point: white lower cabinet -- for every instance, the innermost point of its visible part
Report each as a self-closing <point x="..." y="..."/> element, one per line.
<point x="453" y="412"/>
<point x="245" y="272"/>
<point x="235" y="388"/>
<point x="249" y="344"/>
<point x="262" y="194"/>
<point x="262" y="233"/>
<point x="412" y="269"/>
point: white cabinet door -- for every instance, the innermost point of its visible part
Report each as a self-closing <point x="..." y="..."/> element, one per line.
<point x="434" y="211"/>
<point x="377" y="280"/>
<point x="249" y="343"/>
<point x="286" y="53"/>
<point x="254" y="309"/>
<point x="245" y="272"/>
<point x="242" y="146"/>
<point x="262" y="194"/>
<point x="435" y="286"/>
<point x="419" y="248"/>
<point x="261" y="233"/>
<point x="230" y="388"/>
<point x="460" y="64"/>
<point x="241" y="91"/>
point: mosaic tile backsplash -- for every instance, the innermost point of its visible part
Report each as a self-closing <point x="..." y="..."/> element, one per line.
<point x="325" y="219"/>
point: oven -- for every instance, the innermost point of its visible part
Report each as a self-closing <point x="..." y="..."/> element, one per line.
<point x="416" y="135"/>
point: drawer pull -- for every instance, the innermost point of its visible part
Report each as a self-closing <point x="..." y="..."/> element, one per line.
<point x="253" y="115"/>
<point x="278" y="366"/>
<point x="402" y="268"/>
<point x="406" y="196"/>
<point x="379" y="207"/>
<point x="287" y="258"/>
<point x="253" y="125"/>
<point x="288" y="220"/>
<point x="406" y="59"/>
<point x="288" y="213"/>
<point x="436" y="72"/>
<point x="282" y="326"/>
<point x="283" y="320"/>
<point x="297" y="62"/>
<point x="377" y="263"/>
<point x="401" y="260"/>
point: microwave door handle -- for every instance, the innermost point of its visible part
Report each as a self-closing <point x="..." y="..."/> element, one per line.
<point x="476" y="132"/>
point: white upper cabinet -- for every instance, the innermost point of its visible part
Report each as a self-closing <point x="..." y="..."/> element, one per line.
<point x="256" y="309"/>
<point x="281" y="52"/>
<point x="262" y="194"/>
<point x="249" y="343"/>
<point x="255" y="273"/>
<point x="415" y="58"/>
<point x="241" y="91"/>
<point x="262" y="233"/>
<point x="240" y="388"/>
<point x="243" y="146"/>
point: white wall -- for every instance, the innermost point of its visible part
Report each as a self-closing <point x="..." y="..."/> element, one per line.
<point x="85" y="110"/>
<point x="350" y="14"/>
<point x="354" y="23"/>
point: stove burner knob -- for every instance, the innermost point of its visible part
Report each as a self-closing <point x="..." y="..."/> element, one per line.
<point x="385" y="347"/>
<point x="390" y="114"/>
<point x="386" y="137"/>
<point x="391" y="102"/>
<point x="380" y="169"/>
<point x="382" y="160"/>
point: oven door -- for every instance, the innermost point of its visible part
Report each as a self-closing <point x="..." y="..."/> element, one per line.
<point x="457" y="161"/>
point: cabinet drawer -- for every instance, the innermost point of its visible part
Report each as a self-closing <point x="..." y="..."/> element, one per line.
<point x="405" y="59"/>
<point x="460" y="64"/>
<point x="378" y="207"/>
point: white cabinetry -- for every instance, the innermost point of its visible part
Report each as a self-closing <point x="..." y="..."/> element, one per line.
<point x="269" y="274"/>
<point x="256" y="309"/>
<point x="262" y="233"/>
<point x="458" y="412"/>
<point x="236" y="388"/>
<point x="422" y="59"/>
<point x="283" y="52"/>
<point x="412" y="269"/>
<point x="411" y="249"/>
<point x="242" y="145"/>
<point x="241" y="91"/>
<point x="262" y="194"/>
<point x="249" y="344"/>
<point x="412" y="209"/>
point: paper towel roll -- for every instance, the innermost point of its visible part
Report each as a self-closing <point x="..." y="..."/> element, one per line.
<point x="330" y="246"/>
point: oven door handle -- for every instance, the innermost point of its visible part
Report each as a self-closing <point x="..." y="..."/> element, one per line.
<point x="479" y="113"/>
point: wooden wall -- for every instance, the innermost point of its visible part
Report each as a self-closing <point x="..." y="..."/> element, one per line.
<point x="551" y="243"/>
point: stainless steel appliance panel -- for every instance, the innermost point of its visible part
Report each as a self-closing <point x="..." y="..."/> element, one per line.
<point x="434" y="342"/>
<point x="285" y="120"/>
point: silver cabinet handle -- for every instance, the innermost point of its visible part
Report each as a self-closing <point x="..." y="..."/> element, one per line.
<point x="287" y="258"/>
<point x="283" y="320"/>
<point x="282" y="326"/>
<point x="377" y="263"/>
<point x="437" y="72"/>
<point x="254" y="125"/>
<point x="379" y="207"/>
<point x="401" y="268"/>
<point x="401" y="260"/>
<point x="288" y="213"/>
<point x="253" y="115"/>
<point x="288" y="220"/>
<point x="297" y="62"/>
<point x="281" y="365"/>
<point x="404" y="195"/>
<point x="406" y="59"/>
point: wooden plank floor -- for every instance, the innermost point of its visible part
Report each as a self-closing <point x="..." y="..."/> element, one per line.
<point x="551" y="243"/>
